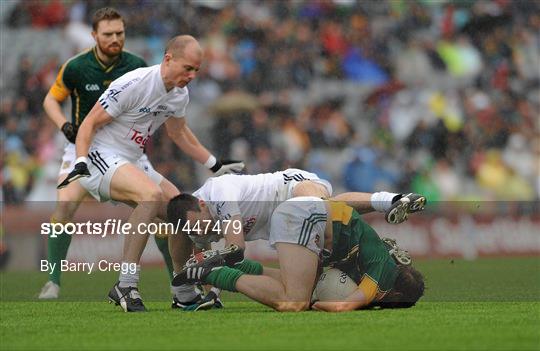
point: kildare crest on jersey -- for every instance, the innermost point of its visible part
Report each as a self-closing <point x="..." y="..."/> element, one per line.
<point x="219" y="206"/>
<point x="112" y="94"/>
<point x="219" y="211"/>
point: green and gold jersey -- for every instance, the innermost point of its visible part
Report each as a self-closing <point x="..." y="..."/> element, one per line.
<point x="359" y="251"/>
<point x="85" y="78"/>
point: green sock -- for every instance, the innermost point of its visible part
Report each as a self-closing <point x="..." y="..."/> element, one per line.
<point x="163" y="246"/>
<point x="250" y="267"/>
<point x="224" y="278"/>
<point x="57" y="249"/>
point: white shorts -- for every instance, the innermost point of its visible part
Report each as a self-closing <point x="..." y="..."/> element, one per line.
<point x="300" y="220"/>
<point x="103" y="164"/>
<point x="293" y="176"/>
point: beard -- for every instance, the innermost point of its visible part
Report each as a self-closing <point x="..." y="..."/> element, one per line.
<point x="111" y="50"/>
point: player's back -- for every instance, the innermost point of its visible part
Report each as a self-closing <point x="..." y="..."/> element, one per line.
<point x="253" y="197"/>
<point x="359" y="248"/>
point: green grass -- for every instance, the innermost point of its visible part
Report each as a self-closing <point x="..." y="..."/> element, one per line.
<point x="489" y="304"/>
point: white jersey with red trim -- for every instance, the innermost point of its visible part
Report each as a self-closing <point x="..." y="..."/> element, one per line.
<point x="138" y="103"/>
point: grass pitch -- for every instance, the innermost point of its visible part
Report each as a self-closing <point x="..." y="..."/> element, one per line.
<point x="488" y="304"/>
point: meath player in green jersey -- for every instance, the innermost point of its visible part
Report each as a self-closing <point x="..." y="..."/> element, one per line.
<point x="84" y="78"/>
<point x="384" y="272"/>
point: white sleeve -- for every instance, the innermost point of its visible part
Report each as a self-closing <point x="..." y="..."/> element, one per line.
<point x="120" y="96"/>
<point x="181" y="112"/>
<point x="181" y="107"/>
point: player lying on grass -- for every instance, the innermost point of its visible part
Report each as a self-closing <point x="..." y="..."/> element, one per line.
<point x="303" y="229"/>
<point x="247" y="204"/>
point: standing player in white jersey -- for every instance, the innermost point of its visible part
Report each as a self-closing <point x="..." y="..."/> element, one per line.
<point x="112" y="138"/>
<point x="85" y="77"/>
<point x="240" y="208"/>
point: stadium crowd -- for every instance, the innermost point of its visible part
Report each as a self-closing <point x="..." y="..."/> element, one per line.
<point x="441" y="98"/>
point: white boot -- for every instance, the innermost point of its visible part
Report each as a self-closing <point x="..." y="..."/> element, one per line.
<point x="50" y="291"/>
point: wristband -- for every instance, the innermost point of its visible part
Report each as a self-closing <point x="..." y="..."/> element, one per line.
<point x="217" y="166"/>
<point x="81" y="159"/>
<point x="211" y="162"/>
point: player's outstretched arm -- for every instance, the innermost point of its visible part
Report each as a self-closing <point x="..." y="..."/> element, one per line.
<point x="183" y="137"/>
<point x="233" y="232"/>
<point x="96" y="118"/>
<point x="366" y="292"/>
<point x="181" y="134"/>
<point x="353" y="302"/>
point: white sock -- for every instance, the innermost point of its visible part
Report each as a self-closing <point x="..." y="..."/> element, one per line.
<point x="216" y="291"/>
<point x="127" y="276"/>
<point x="185" y="292"/>
<point x="382" y="201"/>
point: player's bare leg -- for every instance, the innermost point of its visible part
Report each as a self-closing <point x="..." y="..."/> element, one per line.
<point x="68" y="201"/>
<point x="396" y="207"/>
<point x="298" y="268"/>
<point x="272" y="272"/>
<point x="310" y="188"/>
<point x="180" y="248"/>
<point x="359" y="201"/>
<point x="169" y="191"/>
<point x="290" y="291"/>
<point x="130" y="184"/>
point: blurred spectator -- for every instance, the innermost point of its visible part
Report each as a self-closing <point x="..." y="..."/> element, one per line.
<point x="461" y="58"/>
<point x="519" y="156"/>
<point x="363" y="173"/>
<point x="527" y="55"/>
<point x="451" y="90"/>
<point x="413" y="66"/>
<point x="492" y="174"/>
<point x="77" y="30"/>
<point x="423" y="183"/>
<point x="24" y="72"/>
<point x="447" y="180"/>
